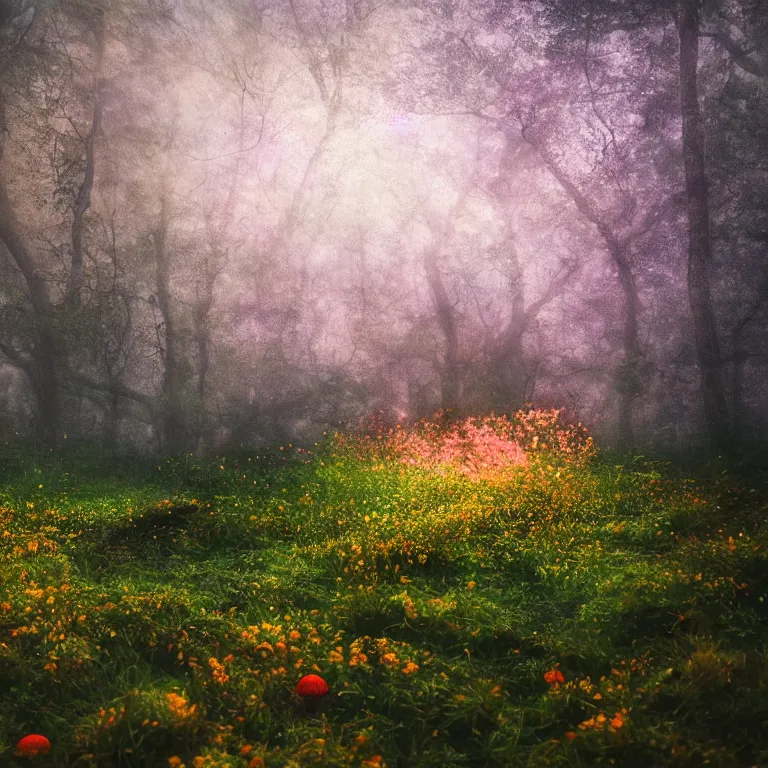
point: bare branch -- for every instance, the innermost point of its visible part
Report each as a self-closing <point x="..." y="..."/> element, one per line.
<point x="740" y="56"/>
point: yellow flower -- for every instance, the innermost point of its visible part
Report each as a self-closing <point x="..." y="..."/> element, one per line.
<point x="217" y="670"/>
<point x="178" y="706"/>
<point x="175" y="762"/>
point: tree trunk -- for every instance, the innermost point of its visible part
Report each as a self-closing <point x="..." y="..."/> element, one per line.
<point x="45" y="375"/>
<point x="737" y="391"/>
<point x="627" y="380"/>
<point x="173" y="428"/>
<point x="449" y="371"/>
<point x="83" y="200"/>
<point x="48" y="423"/>
<point x="508" y="375"/>
<point x="203" y="343"/>
<point x="699" y="244"/>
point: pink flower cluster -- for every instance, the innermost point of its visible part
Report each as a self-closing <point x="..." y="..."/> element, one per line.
<point x="479" y="447"/>
<point x="473" y="447"/>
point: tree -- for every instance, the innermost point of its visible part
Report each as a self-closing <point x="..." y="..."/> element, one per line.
<point x="699" y="244"/>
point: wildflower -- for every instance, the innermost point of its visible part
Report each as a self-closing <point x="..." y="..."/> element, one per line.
<point x="175" y="762"/>
<point x="410" y="668"/>
<point x="178" y="706"/>
<point x="587" y="724"/>
<point x="217" y="670"/>
<point x="554" y="676"/>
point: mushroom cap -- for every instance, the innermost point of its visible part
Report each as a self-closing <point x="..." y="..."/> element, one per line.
<point x="312" y="687"/>
<point x="33" y="744"/>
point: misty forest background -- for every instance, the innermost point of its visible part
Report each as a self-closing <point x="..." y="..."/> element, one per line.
<point x="236" y="222"/>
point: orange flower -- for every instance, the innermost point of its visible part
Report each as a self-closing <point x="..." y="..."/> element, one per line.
<point x="554" y="676"/>
<point x="618" y="719"/>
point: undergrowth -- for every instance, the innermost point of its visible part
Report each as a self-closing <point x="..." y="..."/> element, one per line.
<point x="492" y="592"/>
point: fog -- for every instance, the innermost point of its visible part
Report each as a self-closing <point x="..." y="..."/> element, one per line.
<point x="235" y="223"/>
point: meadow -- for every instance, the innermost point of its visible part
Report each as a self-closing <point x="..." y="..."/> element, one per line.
<point x="492" y="592"/>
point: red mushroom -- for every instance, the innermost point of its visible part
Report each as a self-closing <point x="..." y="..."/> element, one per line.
<point x="312" y="688"/>
<point x="32" y="745"/>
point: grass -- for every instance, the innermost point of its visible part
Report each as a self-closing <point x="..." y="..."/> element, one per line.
<point x="489" y="593"/>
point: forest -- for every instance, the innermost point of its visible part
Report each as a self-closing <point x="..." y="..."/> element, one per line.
<point x="382" y="383"/>
<point x="241" y="222"/>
